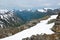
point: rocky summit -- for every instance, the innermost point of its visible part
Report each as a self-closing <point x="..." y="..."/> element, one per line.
<point x="56" y="27"/>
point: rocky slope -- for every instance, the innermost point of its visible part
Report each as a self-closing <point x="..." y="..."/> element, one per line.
<point x="9" y="19"/>
<point x="56" y="27"/>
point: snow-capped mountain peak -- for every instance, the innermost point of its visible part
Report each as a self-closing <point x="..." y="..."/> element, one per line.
<point x="28" y="9"/>
<point x="7" y="17"/>
<point x="3" y="11"/>
<point x="20" y="10"/>
<point x="41" y="10"/>
<point x="48" y="8"/>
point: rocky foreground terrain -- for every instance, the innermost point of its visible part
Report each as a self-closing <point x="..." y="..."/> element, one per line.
<point x="55" y="36"/>
<point x="44" y="37"/>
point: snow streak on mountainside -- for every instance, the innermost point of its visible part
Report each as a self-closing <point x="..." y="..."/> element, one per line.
<point x="3" y="11"/>
<point x="42" y="10"/>
<point x="8" y="19"/>
<point x="41" y="27"/>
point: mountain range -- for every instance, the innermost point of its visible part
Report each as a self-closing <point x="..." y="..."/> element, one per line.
<point x="15" y="18"/>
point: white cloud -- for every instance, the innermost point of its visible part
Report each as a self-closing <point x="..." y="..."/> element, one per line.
<point x="28" y="3"/>
<point x="58" y="4"/>
<point x="47" y="4"/>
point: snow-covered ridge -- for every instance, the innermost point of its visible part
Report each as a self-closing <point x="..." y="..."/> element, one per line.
<point x="48" y="8"/>
<point x="5" y="15"/>
<point x="44" y="9"/>
<point x="41" y="27"/>
<point x="3" y="11"/>
<point x="41" y="10"/>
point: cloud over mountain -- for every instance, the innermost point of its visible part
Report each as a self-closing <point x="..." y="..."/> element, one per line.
<point x="29" y="3"/>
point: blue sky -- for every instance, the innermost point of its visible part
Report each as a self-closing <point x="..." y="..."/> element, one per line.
<point x="26" y="4"/>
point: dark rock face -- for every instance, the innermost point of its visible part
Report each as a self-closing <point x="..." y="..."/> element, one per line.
<point x="56" y="27"/>
<point x="44" y="37"/>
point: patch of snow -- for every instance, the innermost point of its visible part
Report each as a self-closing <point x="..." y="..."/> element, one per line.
<point x="1" y="16"/>
<point x="41" y="10"/>
<point x="20" y="10"/>
<point x="41" y="27"/>
<point x="1" y="25"/>
<point x="28" y="9"/>
<point x="48" y="8"/>
<point x="3" y="11"/>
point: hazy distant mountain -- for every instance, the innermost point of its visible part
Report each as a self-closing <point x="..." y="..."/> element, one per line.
<point x="29" y="14"/>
